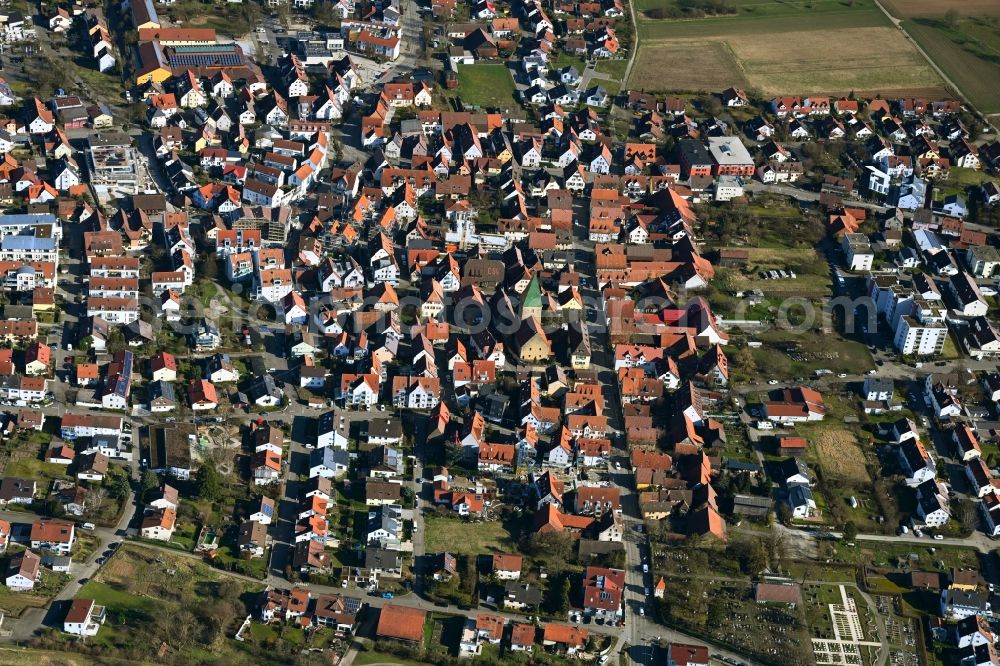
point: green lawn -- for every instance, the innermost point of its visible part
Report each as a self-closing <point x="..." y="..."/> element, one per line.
<point x="564" y="59"/>
<point x="614" y="68"/>
<point x="959" y="180"/>
<point x="39" y="470"/>
<point x="461" y="538"/>
<point x="486" y="85"/>
<point x="105" y="595"/>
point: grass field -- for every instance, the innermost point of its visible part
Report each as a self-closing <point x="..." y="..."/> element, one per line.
<point x="486" y="85"/>
<point x="461" y="538"/>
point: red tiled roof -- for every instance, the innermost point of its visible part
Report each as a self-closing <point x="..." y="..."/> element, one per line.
<point x="401" y="622"/>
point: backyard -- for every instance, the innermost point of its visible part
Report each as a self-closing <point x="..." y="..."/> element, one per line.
<point x="462" y="538"/>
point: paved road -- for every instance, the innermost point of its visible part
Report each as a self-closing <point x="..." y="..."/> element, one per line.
<point x="800" y="194"/>
<point x="35" y="619"/>
<point x="635" y="43"/>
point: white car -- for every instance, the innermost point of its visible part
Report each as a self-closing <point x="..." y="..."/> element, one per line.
<point x="842" y="375"/>
<point x="618" y="465"/>
<point x="773" y="382"/>
<point x="939" y="537"/>
<point x="871" y="372"/>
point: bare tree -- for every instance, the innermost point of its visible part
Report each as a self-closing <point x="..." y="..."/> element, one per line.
<point x="94" y="500"/>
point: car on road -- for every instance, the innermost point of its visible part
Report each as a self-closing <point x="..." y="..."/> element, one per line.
<point x="842" y="375"/>
<point x="648" y="591"/>
<point x="642" y="612"/>
<point x="645" y="568"/>
<point x="618" y="465"/>
<point x="603" y="660"/>
<point x="939" y="537"/>
<point x="772" y="382"/>
<point x="387" y="595"/>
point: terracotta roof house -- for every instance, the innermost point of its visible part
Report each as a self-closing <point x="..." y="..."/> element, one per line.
<point x="602" y="593"/>
<point x="507" y="567"/>
<point x="687" y="655"/>
<point x="565" y="637"/>
<point x="522" y="636"/>
<point x="401" y="623"/>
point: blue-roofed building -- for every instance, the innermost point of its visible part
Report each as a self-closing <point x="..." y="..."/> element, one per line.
<point x="263" y="512"/>
<point x="162" y="397"/>
<point x="29" y="248"/>
<point x="16" y="224"/>
<point x="118" y="385"/>
<point x="205" y="55"/>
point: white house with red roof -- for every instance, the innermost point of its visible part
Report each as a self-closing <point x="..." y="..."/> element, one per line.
<point x="602" y="594"/>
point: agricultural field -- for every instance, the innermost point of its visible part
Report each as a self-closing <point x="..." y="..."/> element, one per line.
<point x="762" y="9"/>
<point x="965" y="44"/>
<point x="968" y="52"/>
<point x="867" y="60"/>
<point x="915" y="8"/>
<point x="840" y="456"/>
<point x="689" y="65"/>
<point x="827" y="47"/>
